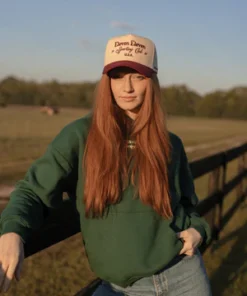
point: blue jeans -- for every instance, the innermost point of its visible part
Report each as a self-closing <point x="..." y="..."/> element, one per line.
<point x="188" y="277"/>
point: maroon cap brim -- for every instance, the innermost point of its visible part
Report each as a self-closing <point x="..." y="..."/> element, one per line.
<point x="146" y="71"/>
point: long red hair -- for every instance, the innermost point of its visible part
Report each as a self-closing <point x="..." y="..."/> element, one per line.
<point x="106" y="161"/>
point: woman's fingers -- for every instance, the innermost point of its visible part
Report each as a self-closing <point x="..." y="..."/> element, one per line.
<point x="2" y="274"/>
<point x="187" y="249"/>
<point x="8" y="274"/>
<point x="11" y="259"/>
<point x="3" y="270"/>
<point x="191" y="238"/>
<point x="5" y="283"/>
<point x="18" y="269"/>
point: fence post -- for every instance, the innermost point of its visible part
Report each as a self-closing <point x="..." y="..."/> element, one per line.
<point x="241" y="167"/>
<point x="221" y="198"/>
<point x="214" y="214"/>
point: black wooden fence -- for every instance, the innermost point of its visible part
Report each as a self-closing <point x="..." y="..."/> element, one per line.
<point x="64" y="222"/>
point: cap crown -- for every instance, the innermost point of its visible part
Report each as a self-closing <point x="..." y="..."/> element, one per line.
<point x="131" y="48"/>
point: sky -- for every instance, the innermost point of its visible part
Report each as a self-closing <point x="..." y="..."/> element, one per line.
<point x="202" y="44"/>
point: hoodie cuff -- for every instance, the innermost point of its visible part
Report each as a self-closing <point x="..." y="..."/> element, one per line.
<point x="11" y="226"/>
<point x="202" y="232"/>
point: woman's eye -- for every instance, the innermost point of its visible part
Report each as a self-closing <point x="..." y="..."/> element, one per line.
<point x="139" y="77"/>
<point x="121" y="76"/>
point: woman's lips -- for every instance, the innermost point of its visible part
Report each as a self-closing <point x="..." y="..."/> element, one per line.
<point x="128" y="98"/>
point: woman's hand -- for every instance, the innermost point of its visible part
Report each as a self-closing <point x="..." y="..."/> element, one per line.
<point x="191" y="239"/>
<point x="11" y="259"/>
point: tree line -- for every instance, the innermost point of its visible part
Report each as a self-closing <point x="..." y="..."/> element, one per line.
<point x="177" y="99"/>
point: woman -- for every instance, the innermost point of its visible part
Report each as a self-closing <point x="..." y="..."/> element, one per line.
<point x="133" y="186"/>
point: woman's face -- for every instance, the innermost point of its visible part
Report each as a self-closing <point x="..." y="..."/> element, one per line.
<point x="128" y="88"/>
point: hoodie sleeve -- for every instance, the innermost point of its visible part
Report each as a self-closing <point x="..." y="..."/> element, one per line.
<point x="189" y="199"/>
<point x="42" y="187"/>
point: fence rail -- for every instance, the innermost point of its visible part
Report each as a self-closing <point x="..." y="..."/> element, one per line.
<point x="64" y="222"/>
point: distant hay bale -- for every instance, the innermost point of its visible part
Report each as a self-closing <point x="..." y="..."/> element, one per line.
<point x="43" y="109"/>
<point x="50" y="110"/>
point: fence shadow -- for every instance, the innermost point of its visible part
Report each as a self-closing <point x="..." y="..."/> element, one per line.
<point x="233" y="266"/>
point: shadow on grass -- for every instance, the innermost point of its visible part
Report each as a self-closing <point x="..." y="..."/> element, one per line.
<point x="232" y="270"/>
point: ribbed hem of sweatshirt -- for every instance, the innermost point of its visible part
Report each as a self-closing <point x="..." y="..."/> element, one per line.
<point x="11" y="226"/>
<point x="202" y="232"/>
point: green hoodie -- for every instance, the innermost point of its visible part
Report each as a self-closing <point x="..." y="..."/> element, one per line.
<point x="129" y="243"/>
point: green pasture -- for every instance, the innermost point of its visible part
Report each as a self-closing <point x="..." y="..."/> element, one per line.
<point x="63" y="269"/>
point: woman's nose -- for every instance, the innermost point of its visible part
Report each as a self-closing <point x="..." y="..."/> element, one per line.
<point x="128" y="87"/>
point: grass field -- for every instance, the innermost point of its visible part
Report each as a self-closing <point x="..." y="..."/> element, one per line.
<point x="63" y="269"/>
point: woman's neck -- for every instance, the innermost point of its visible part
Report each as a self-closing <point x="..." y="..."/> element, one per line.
<point x="131" y="115"/>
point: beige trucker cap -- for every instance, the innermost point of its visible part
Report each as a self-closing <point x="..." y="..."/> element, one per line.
<point x="132" y="51"/>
